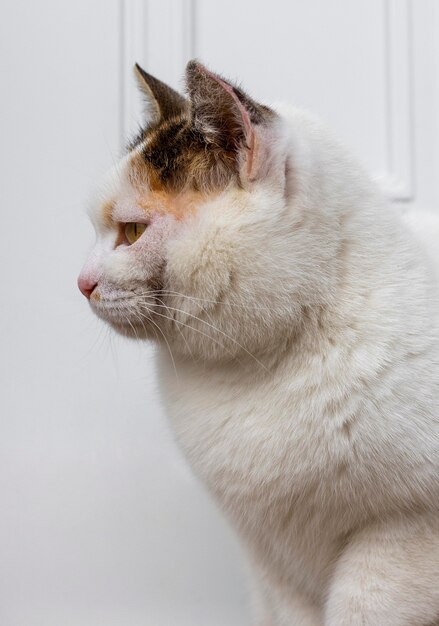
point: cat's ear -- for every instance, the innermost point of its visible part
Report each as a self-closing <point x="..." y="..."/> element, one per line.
<point x="161" y="101"/>
<point x="227" y="118"/>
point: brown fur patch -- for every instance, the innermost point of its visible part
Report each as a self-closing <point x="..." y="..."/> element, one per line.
<point x="173" y="156"/>
<point x="95" y="295"/>
<point x="193" y="146"/>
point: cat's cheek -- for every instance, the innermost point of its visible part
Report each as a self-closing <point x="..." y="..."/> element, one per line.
<point x="199" y="260"/>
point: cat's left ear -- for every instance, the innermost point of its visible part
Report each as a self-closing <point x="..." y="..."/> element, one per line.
<point x="161" y="101"/>
<point x="228" y="118"/>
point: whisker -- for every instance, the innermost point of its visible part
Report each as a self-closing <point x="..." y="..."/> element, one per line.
<point x="215" y="328"/>
<point x="166" y="341"/>
<point x="196" y="330"/>
<point x="216" y="302"/>
<point x="126" y="318"/>
<point x="169" y="347"/>
<point x="178" y="328"/>
<point x="209" y="336"/>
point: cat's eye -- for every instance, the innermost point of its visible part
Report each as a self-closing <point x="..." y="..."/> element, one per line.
<point x="133" y="230"/>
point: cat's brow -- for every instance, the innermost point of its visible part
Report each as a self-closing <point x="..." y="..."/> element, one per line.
<point x="107" y="212"/>
<point x="179" y="205"/>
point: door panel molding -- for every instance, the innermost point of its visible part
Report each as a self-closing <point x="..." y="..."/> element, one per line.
<point x="398" y="182"/>
<point x="159" y="36"/>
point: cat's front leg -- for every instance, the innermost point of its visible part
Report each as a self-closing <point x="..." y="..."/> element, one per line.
<point x="388" y="576"/>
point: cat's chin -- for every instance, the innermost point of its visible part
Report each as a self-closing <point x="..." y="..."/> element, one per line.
<point x="120" y="320"/>
<point x="132" y="331"/>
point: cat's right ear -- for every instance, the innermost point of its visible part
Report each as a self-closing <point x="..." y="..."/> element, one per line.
<point x="161" y="101"/>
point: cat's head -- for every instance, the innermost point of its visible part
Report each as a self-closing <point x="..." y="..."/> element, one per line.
<point x="197" y="241"/>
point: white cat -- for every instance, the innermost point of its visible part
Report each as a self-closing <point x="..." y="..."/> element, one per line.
<point x="301" y="316"/>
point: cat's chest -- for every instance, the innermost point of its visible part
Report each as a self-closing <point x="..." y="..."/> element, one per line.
<point x="239" y="436"/>
<point x="263" y="451"/>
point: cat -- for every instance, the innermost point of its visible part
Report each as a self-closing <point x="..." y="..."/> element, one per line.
<point x="296" y="315"/>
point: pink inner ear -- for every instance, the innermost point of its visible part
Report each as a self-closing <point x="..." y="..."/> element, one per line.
<point x="249" y="131"/>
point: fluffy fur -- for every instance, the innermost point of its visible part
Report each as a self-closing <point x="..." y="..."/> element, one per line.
<point x="297" y="317"/>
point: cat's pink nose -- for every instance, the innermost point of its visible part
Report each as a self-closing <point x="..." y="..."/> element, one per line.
<point x="86" y="286"/>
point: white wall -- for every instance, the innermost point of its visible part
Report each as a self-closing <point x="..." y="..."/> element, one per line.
<point x="101" y="523"/>
<point x="100" y="520"/>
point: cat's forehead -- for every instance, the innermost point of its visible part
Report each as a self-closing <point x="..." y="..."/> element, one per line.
<point x="132" y="191"/>
<point x="168" y="169"/>
<point x="173" y="156"/>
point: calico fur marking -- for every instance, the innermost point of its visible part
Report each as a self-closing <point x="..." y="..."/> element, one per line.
<point x="194" y="146"/>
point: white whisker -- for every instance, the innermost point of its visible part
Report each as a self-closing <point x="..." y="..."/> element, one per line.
<point x="215" y="329"/>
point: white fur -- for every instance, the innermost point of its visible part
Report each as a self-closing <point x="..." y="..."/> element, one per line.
<point x="306" y="342"/>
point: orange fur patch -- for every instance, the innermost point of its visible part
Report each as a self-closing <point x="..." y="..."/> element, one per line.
<point x="107" y="213"/>
<point x="172" y="157"/>
<point x="179" y="205"/>
<point x="154" y="197"/>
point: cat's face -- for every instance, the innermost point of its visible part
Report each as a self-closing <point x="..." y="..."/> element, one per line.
<point x="191" y="225"/>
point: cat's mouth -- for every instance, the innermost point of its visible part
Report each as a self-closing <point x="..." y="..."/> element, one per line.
<point x="130" y="314"/>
